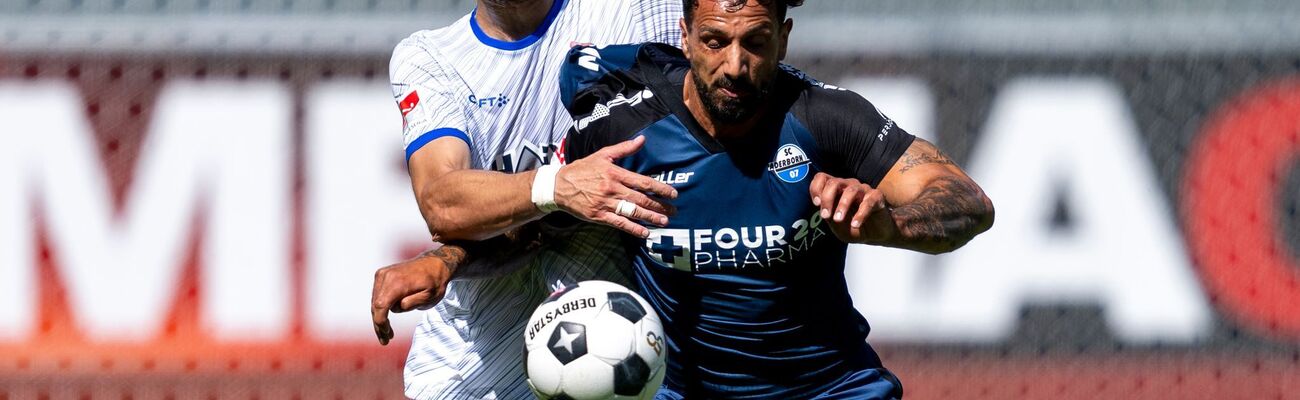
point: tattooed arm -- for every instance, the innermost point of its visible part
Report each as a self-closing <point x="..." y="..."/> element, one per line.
<point x="924" y="203"/>
<point x="937" y="208"/>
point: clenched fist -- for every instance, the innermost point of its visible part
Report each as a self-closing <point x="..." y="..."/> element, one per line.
<point x="415" y="284"/>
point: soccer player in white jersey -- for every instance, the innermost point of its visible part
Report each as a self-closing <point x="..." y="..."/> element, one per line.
<point x="481" y="112"/>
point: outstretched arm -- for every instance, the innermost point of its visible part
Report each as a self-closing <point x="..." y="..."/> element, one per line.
<point x="460" y="203"/>
<point x="420" y="282"/>
<point x="925" y="203"/>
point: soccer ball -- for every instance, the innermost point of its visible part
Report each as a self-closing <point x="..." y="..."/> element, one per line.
<point x="594" y="340"/>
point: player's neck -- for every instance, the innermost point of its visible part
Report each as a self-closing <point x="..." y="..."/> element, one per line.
<point x="511" y="21"/>
<point x="717" y="130"/>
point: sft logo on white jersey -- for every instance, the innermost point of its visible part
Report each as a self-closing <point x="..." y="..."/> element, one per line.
<point x="499" y="100"/>
<point x="602" y="110"/>
<point x="790" y="165"/>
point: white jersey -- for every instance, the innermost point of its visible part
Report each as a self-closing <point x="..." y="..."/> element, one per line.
<point x="502" y="98"/>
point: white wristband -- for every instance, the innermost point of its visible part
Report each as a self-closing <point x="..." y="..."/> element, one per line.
<point x="544" y="188"/>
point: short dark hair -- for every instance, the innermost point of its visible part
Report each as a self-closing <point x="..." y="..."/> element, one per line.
<point x="688" y="7"/>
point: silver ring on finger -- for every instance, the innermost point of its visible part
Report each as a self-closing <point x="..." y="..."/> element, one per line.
<point x="625" y="208"/>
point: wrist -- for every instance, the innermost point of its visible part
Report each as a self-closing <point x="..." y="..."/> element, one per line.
<point x="543" y="188"/>
<point x="439" y="270"/>
<point x="885" y="228"/>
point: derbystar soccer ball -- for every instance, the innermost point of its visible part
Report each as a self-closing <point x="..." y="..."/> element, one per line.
<point x="594" y="340"/>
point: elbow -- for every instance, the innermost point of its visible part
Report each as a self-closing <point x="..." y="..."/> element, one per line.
<point x="982" y="220"/>
<point x="443" y="222"/>
<point x="979" y="220"/>
<point x="444" y="225"/>
<point x="984" y="216"/>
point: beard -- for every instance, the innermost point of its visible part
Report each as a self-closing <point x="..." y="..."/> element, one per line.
<point x="509" y="3"/>
<point x="729" y="110"/>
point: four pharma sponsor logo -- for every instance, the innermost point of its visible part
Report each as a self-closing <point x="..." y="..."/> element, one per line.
<point x="790" y="165"/>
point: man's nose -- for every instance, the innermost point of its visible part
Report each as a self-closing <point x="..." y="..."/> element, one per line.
<point x="736" y="64"/>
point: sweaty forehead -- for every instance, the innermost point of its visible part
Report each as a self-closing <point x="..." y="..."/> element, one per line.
<point x="728" y="11"/>
<point x="732" y="5"/>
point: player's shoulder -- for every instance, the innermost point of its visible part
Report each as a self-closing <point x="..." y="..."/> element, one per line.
<point x="614" y="92"/>
<point x="429" y="46"/>
<point x="813" y="92"/>
<point x="819" y="103"/>
<point x="588" y="68"/>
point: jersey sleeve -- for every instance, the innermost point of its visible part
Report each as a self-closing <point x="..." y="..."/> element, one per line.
<point x="586" y="66"/>
<point x="854" y="139"/>
<point x="590" y="80"/>
<point x="657" y="21"/>
<point x="425" y="92"/>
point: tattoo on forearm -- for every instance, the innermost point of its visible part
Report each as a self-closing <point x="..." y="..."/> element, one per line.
<point x="946" y="215"/>
<point x="924" y="155"/>
<point x="491" y="257"/>
<point x="451" y="255"/>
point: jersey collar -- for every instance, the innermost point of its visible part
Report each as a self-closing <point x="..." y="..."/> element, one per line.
<point x="556" y="6"/>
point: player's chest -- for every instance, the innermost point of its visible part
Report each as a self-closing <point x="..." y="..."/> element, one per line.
<point x="515" y="87"/>
<point x="512" y="106"/>
<point x="744" y="213"/>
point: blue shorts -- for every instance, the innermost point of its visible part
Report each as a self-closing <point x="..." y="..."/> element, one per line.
<point x="867" y="384"/>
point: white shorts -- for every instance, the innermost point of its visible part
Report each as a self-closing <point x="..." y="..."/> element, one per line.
<point x="470" y="346"/>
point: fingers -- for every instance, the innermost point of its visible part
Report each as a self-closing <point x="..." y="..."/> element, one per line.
<point x="871" y="202"/>
<point x="828" y="194"/>
<point x="414" y="301"/>
<point x="645" y="184"/>
<point x="621" y="223"/>
<point x="648" y="210"/>
<point x="815" y="188"/>
<point x="848" y="199"/>
<point x="620" y="150"/>
<point x="380" y="302"/>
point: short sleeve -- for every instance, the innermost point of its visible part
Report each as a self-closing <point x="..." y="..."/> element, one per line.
<point x="592" y="82"/>
<point x="854" y="138"/>
<point x="657" y="21"/>
<point x="425" y="93"/>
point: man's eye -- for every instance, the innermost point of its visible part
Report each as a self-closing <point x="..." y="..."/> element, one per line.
<point x="713" y="44"/>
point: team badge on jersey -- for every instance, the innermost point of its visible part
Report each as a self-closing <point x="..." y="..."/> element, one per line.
<point x="790" y="164"/>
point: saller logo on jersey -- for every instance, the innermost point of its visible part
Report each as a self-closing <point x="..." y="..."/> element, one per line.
<point x="790" y="165"/>
<point x="673" y="177"/>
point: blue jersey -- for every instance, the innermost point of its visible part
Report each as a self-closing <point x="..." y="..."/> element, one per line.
<point x="747" y="277"/>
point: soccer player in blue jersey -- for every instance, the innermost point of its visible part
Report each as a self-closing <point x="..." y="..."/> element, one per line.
<point x="747" y="276"/>
<point x="771" y="168"/>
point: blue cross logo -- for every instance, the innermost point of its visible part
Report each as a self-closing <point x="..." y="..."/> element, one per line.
<point x="667" y="250"/>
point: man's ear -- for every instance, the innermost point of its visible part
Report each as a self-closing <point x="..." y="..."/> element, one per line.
<point x="785" y="37"/>
<point x="681" y="25"/>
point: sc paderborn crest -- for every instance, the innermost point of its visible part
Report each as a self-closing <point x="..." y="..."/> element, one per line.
<point x="790" y="164"/>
